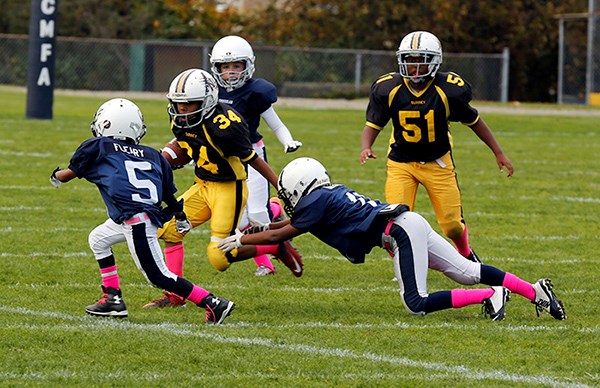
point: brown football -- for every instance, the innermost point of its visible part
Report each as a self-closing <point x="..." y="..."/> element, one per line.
<point x="175" y="155"/>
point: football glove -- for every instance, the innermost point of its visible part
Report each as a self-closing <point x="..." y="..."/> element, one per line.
<point x="232" y="242"/>
<point x="54" y="180"/>
<point x="292" y="146"/>
<point x="182" y="224"/>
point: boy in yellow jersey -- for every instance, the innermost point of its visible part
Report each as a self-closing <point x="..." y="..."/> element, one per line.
<point x="216" y="137"/>
<point x="421" y="102"/>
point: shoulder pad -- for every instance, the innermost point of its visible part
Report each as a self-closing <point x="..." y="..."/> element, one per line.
<point x="385" y="77"/>
<point x="261" y="85"/>
<point x="453" y="84"/>
<point x="226" y="120"/>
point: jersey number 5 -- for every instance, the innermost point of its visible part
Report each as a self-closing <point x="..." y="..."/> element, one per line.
<point x="131" y="166"/>
<point x="411" y="132"/>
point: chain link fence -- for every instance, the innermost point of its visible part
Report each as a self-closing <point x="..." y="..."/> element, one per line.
<point x="121" y="65"/>
<point x="572" y="59"/>
<point x="579" y="56"/>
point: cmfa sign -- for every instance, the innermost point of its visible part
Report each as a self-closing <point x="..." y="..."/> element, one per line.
<point x="42" y="45"/>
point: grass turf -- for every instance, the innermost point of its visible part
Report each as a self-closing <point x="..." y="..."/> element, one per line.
<point x="338" y="325"/>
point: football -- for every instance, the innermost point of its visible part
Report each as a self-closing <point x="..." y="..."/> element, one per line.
<point x="175" y="155"/>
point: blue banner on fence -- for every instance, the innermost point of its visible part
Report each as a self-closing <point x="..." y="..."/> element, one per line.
<point x="42" y="48"/>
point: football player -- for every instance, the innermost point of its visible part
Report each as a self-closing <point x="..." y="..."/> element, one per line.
<point x="421" y="102"/>
<point x="354" y="224"/>
<point x="232" y="60"/>
<point x="216" y="137"/>
<point x="133" y="180"/>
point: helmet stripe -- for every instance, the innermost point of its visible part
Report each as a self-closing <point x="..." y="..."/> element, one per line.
<point x="416" y="40"/>
<point x="182" y="79"/>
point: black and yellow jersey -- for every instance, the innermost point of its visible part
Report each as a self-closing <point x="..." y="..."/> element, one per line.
<point x="220" y="145"/>
<point x="420" y="120"/>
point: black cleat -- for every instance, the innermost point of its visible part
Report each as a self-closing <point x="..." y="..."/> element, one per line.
<point x="110" y="305"/>
<point x="217" y="309"/>
<point x="545" y="300"/>
<point x="495" y="306"/>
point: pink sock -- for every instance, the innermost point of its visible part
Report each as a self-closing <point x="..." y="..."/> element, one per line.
<point x="462" y="243"/>
<point x="462" y="297"/>
<point x="519" y="286"/>
<point x="110" y="277"/>
<point x="263" y="260"/>
<point x="266" y="249"/>
<point x="174" y="257"/>
<point x="198" y="293"/>
<point x="275" y="209"/>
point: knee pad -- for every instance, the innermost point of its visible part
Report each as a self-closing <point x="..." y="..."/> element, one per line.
<point x="100" y="247"/>
<point x="217" y="257"/>
<point x="415" y="308"/>
<point x="414" y="304"/>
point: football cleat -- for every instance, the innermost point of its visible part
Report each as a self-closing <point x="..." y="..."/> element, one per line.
<point x="217" y="309"/>
<point x="263" y="270"/>
<point x="288" y="255"/>
<point x="473" y="257"/>
<point x="169" y="300"/>
<point x="495" y="305"/>
<point x="545" y="300"/>
<point x="110" y="305"/>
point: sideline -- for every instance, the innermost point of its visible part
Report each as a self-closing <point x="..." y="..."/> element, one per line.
<point x="513" y="108"/>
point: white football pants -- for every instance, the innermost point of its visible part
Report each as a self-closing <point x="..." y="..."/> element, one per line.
<point x="147" y="249"/>
<point x="256" y="212"/>
<point x="427" y="249"/>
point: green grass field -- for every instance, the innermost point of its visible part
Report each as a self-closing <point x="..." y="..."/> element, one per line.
<point x="339" y="324"/>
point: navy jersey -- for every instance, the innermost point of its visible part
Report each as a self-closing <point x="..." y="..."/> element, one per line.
<point x="251" y="100"/>
<point x="219" y="144"/>
<point x="131" y="178"/>
<point x="341" y="218"/>
<point x="420" y="121"/>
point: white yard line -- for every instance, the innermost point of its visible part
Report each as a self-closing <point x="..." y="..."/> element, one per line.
<point x="446" y="369"/>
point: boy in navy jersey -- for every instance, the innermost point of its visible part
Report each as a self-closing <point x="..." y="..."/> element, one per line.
<point x="133" y="180"/>
<point x="354" y="224"/>
<point x="232" y="60"/>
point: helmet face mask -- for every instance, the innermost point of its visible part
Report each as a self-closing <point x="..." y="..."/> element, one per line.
<point x="230" y="49"/>
<point x="120" y="119"/>
<point x="421" y="51"/>
<point x="192" y="86"/>
<point x="299" y="178"/>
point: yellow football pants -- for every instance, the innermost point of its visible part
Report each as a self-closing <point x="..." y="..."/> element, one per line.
<point x="439" y="179"/>
<point x="220" y="202"/>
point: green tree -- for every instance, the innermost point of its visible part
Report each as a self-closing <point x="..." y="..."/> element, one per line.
<point x="527" y="27"/>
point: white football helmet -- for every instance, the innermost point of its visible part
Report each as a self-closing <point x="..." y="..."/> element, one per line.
<point x="192" y="85"/>
<point x="229" y="49"/>
<point x="119" y="118"/>
<point x="420" y="44"/>
<point x="299" y="178"/>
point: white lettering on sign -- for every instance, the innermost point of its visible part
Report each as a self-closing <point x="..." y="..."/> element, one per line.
<point x="44" y="77"/>
<point x="45" y="51"/>
<point x="46" y="28"/>
<point x="48" y="7"/>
